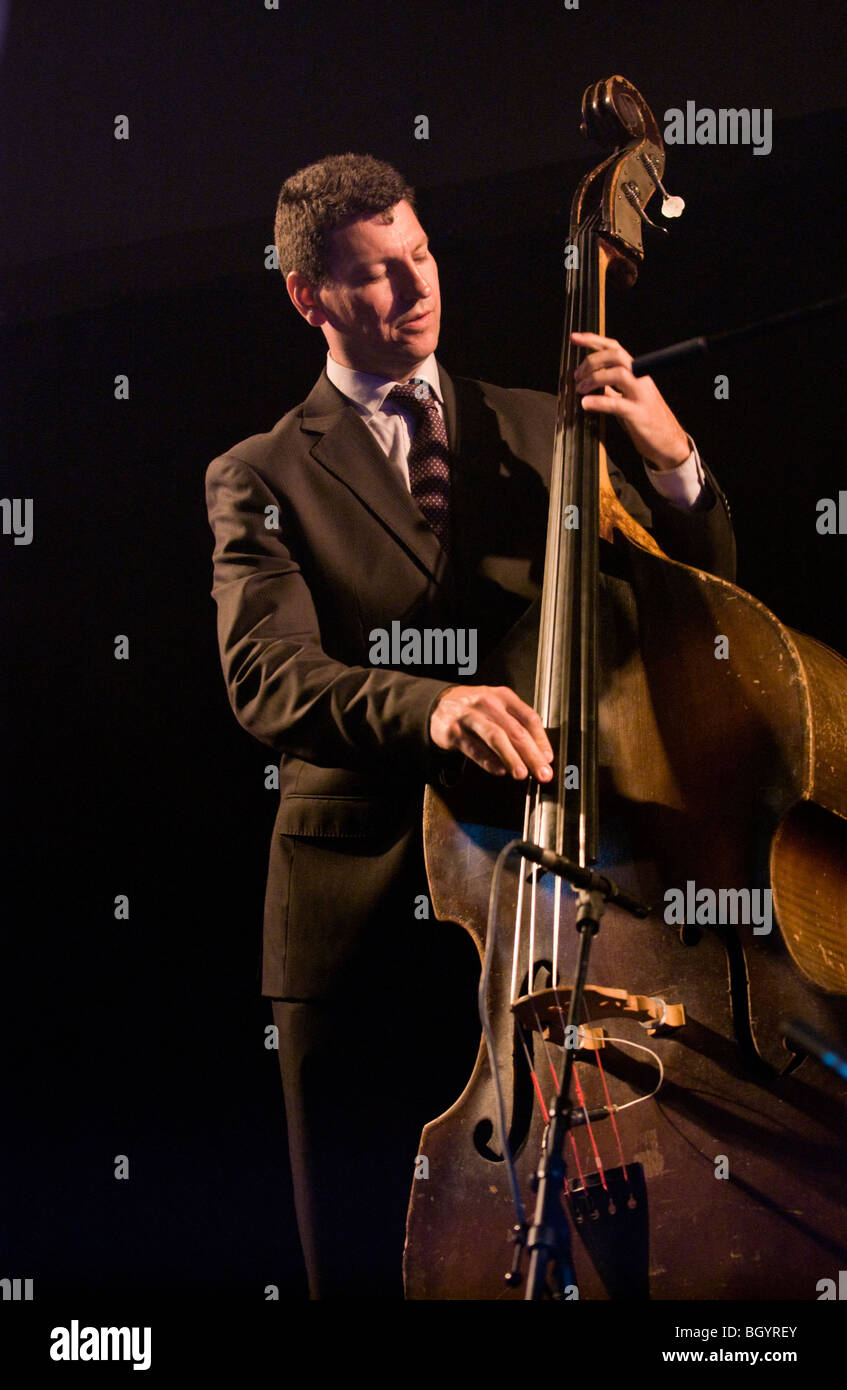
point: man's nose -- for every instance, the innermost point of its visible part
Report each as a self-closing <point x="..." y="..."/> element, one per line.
<point x="418" y="285"/>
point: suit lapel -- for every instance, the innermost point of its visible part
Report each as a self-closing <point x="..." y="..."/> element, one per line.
<point x="451" y="411"/>
<point x="346" y="448"/>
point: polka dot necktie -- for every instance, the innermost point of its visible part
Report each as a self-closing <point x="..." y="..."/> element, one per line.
<point x="429" y="456"/>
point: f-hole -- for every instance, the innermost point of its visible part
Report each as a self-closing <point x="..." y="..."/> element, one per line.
<point x="523" y="1092"/>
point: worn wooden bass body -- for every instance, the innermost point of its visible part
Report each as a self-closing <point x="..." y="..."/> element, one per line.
<point x="715" y="1161"/>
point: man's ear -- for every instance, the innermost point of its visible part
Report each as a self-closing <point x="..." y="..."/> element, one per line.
<point x="305" y="297"/>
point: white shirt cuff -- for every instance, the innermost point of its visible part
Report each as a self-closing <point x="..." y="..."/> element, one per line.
<point x="682" y="486"/>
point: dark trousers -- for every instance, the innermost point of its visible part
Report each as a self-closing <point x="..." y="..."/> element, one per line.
<point x="361" y="1077"/>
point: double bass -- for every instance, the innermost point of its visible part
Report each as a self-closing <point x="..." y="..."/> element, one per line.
<point x="701" y="764"/>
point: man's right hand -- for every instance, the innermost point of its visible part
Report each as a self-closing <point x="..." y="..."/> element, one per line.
<point x="493" y="727"/>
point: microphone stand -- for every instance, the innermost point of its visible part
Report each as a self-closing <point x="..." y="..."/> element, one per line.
<point x="548" y="1239"/>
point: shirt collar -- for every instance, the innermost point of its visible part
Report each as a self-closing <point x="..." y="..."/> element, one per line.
<point x="369" y="391"/>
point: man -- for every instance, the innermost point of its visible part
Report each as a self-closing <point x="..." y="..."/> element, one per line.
<point x="393" y="493"/>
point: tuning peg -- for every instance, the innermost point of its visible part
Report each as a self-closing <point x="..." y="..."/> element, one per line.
<point x="671" y="205"/>
<point x="631" y="191"/>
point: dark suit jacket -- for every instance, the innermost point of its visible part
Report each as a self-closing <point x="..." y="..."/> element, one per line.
<point x="317" y="543"/>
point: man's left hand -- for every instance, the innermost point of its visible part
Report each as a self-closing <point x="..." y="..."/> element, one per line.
<point x="636" y="401"/>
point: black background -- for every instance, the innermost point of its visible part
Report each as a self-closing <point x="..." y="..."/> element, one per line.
<point x="145" y="257"/>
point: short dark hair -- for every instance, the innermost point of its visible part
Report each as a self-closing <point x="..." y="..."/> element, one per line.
<point x="323" y="196"/>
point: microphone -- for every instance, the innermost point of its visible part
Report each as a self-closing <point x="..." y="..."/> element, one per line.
<point x="580" y="877"/>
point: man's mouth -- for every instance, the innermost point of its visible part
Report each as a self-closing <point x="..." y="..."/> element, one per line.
<point x="416" y="319"/>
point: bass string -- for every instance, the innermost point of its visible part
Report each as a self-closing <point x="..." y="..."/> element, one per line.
<point x="589" y="522"/>
<point x="583" y="623"/>
<point x="582" y="1102"/>
<point x="586" y="599"/>
<point x="566" y="484"/>
<point x="542" y="1105"/>
<point x="536" y="1084"/>
<point x="582" y="311"/>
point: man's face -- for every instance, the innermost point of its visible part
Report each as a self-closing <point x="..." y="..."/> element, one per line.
<point x="382" y="307"/>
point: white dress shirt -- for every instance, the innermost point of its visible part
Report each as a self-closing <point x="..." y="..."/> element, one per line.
<point x="393" y="427"/>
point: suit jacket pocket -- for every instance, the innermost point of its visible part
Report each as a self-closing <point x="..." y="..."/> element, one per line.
<point x="353" y="816"/>
<point x="334" y="802"/>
